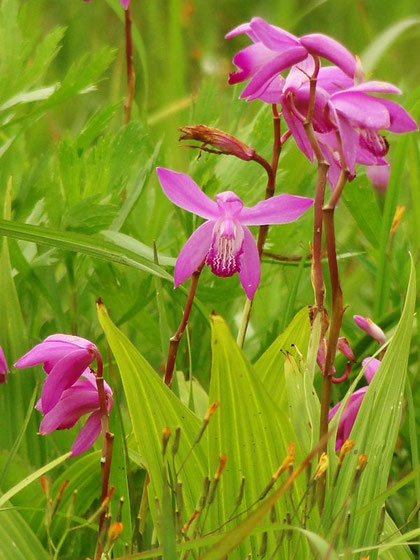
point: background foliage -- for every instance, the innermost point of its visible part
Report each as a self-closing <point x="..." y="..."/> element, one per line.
<point x="85" y="187"/>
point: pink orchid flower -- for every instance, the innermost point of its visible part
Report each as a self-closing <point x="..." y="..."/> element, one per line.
<point x="379" y="176"/>
<point x="69" y="391"/>
<point x="349" y="413"/>
<point x="274" y="49"/>
<point x="3" y="367"/>
<point x="340" y="107"/>
<point x="224" y="240"/>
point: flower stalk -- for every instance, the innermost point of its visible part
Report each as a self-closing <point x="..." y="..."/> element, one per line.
<point x="175" y="339"/>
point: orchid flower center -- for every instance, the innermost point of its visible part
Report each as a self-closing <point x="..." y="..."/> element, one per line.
<point x="374" y="142"/>
<point x="228" y="236"/>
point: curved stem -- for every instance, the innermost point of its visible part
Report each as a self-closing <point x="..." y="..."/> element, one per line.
<point x="175" y="339"/>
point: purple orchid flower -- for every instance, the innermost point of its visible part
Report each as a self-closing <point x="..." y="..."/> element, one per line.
<point x="69" y="391"/>
<point x="76" y="401"/>
<point x="371" y="328"/>
<point x="349" y="413"/>
<point x="274" y="49"/>
<point x="4" y="368"/>
<point x="340" y="107"/>
<point x="65" y="358"/>
<point x="224" y="240"/>
<point x="379" y="176"/>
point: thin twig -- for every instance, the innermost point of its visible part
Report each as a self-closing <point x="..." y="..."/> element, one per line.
<point x="175" y="339"/>
<point x="131" y="76"/>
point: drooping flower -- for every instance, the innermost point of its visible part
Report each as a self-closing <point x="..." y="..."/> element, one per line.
<point x="224" y="240"/>
<point x="274" y="49"/>
<point x="76" y="401"/>
<point x="65" y="358"/>
<point x="340" y="108"/>
<point x="371" y="328"/>
<point x="4" y="368"/>
<point x="69" y="391"/>
<point x="349" y="413"/>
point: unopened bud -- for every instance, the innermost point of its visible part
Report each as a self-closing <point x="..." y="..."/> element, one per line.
<point x="344" y="347"/>
<point x="288" y="461"/>
<point x="371" y="328"/>
<point x="115" y="531"/>
<point x="379" y="176"/>
<point x="322" y="466"/>
<point x="345" y="448"/>
<point x="221" y="467"/>
<point x="397" y="218"/>
<point x="223" y="142"/>
<point x="166" y="434"/>
<point x="211" y="410"/>
<point x="44" y="484"/>
<point x="361" y="462"/>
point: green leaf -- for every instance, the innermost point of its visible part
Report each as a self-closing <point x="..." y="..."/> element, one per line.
<point x="270" y="365"/>
<point x="17" y="541"/>
<point x="248" y="427"/>
<point x="376" y="429"/>
<point x="152" y="407"/>
<point x="80" y="243"/>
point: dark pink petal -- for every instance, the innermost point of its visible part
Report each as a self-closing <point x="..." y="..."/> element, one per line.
<point x="229" y="204"/>
<point x="273" y="92"/>
<point x="242" y="28"/>
<point x="272" y="37"/>
<point x="364" y="156"/>
<point x="371" y="365"/>
<point x="375" y="86"/>
<point x="87" y="435"/>
<point x="185" y="193"/>
<point x="344" y="347"/>
<point x="348" y="416"/>
<point x="371" y="328"/>
<point x="349" y="141"/>
<point x="125" y="4"/>
<point x="4" y="368"/>
<point x="193" y="252"/>
<point x="401" y="120"/>
<point x="65" y="372"/>
<point x="298" y="132"/>
<point x="280" y="209"/>
<point x="333" y="79"/>
<point x="262" y="78"/>
<point x="69" y="409"/>
<point x="250" y="60"/>
<point x="45" y="351"/>
<point x="250" y="272"/>
<point x="70" y="339"/>
<point x="363" y="110"/>
<point x="299" y="74"/>
<point x="332" y="50"/>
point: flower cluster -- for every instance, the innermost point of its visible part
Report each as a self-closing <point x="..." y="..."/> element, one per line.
<point x="348" y="121"/>
<point x="70" y="389"/>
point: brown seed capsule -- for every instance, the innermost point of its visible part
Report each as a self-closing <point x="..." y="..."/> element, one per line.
<point x="223" y="142"/>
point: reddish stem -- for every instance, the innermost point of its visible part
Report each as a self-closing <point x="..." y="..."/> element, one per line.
<point x="131" y="76"/>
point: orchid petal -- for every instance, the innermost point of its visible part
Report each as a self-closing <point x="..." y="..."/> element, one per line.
<point x="185" y="193"/>
<point x="332" y="50"/>
<point x="272" y="37"/>
<point x="262" y="78"/>
<point x="280" y="209"/>
<point x="375" y="86"/>
<point x="349" y="141"/>
<point x="298" y="132"/>
<point x="193" y="252"/>
<point x="69" y="409"/>
<point x="332" y="79"/>
<point x="299" y="74"/>
<point x="273" y="92"/>
<point x="401" y="121"/>
<point x="51" y="351"/>
<point x="65" y="372"/>
<point x="242" y="28"/>
<point x="379" y="176"/>
<point x="250" y="60"/>
<point x="371" y="366"/>
<point x="250" y="272"/>
<point x="359" y="108"/>
<point x="70" y="339"/>
<point x="87" y="435"/>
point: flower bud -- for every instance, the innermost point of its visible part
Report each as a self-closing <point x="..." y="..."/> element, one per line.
<point x="115" y="531"/>
<point x="345" y="448"/>
<point x="361" y="462"/>
<point x="370" y="328"/>
<point x="379" y="176"/>
<point x="397" y="218"/>
<point x="3" y="367"/>
<point x="223" y="142"/>
<point x="210" y="411"/>
<point x="322" y="466"/>
<point x="344" y="347"/>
